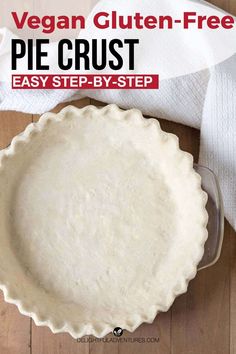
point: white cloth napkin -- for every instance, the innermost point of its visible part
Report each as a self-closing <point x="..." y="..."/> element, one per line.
<point x="205" y="100"/>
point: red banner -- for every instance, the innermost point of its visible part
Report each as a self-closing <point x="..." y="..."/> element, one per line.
<point x="85" y="81"/>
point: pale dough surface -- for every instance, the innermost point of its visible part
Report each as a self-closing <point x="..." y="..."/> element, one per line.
<point x="100" y="215"/>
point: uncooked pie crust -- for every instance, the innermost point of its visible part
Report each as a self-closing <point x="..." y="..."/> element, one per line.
<point x="102" y="220"/>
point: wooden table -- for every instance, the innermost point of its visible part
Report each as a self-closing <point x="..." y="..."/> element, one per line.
<point x="203" y="321"/>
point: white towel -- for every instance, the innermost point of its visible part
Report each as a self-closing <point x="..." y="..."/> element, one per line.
<point x="205" y="100"/>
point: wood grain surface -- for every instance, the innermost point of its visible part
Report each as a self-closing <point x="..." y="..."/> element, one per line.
<point x="202" y="321"/>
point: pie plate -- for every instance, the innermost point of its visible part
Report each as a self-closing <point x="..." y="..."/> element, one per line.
<point x="102" y="220"/>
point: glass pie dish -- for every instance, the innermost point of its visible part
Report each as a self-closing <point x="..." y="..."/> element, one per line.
<point x="149" y="219"/>
<point x="215" y="211"/>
